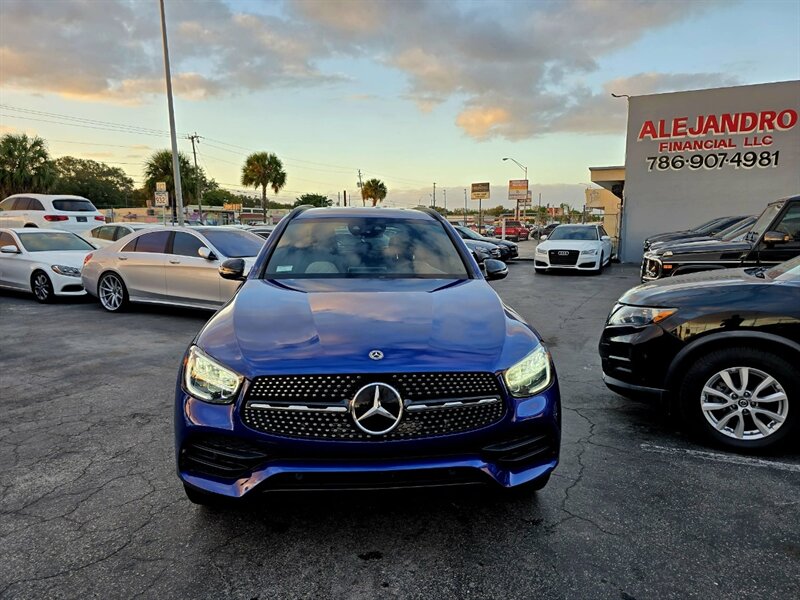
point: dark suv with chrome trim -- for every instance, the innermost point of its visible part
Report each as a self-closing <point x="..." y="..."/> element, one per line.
<point x="720" y="348"/>
<point x="364" y="349"/>
<point x="774" y="238"/>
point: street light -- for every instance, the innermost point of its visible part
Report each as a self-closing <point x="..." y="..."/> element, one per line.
<point x="521" y="166"/>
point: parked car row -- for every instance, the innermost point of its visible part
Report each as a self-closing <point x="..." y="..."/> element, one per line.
<point x="771" y="238"/>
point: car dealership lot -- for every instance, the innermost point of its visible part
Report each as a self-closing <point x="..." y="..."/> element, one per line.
<point x="92" y="506"/>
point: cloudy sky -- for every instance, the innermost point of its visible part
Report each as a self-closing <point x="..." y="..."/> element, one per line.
<point x="408" y="91"/>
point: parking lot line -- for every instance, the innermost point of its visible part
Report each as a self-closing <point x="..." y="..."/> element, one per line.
<point x="725" y="458"/>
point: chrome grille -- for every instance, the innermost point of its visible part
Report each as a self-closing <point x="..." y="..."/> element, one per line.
<point x="420" y="420"/>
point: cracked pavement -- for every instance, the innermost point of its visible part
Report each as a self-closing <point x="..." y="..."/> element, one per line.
<point x="91" y="506"/>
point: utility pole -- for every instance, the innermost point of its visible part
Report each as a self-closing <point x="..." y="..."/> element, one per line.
<point x="361" y="189"/>
<point x="176" y="169"/>
<point x="345" y="197"/>
<point x="465" y="207"/>
<point x="539" y="213"/>
<point x="445" y="200"/>
<point x="434" y="194"/>
<point x="338" y="198"/>
<point x="198" y="191"/>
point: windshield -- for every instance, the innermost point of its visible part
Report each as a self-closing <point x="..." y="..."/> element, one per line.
<point x="365" y="248"/>
<point x="468" y="233"/>
<point x="707" y="226"/>
<point x="48" y="242"/>
<point x="764" y="221"/>
<point x="787" y="271"/>
<point x="233" y="243"/>
<point x="737" y="229"/>
<point x="565" y="232"/>
<point x="73" y="205"/>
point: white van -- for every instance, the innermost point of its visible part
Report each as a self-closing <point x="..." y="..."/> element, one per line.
<point x="70" y="213"/>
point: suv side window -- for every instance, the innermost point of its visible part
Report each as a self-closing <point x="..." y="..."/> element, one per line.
<point x="34" y="204"/>
<point x="130" y="246"/>
<point x="185" y="244"/>
<point x="790" y="223"/>
<point x="106" y="233"/>
<point x="155" y="242"/>
<point x="120" y="232"/>
<point x="7" y="204"/>
<point x="21" y="204"/>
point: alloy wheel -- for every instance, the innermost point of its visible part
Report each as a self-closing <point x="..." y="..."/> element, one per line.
<point x="42" y="288"/>
<point x="111" y="292"/>
<point x="744" y="403"/>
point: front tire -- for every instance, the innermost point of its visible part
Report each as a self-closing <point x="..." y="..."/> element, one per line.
<point x="112" y="293"/>
<point x="742" y="399"/>
<point x="42" y="287"/>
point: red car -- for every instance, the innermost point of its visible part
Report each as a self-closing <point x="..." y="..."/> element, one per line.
<point x="514" y="231"/>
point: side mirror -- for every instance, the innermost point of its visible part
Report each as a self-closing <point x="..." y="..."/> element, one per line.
<point x="10" y="250"/>
<point x="543" y="238"/>
<point x="233" y="269"/>
<point x="605" y="238"/>
<point x="495" y="269"/>
<point x="776" y="237"/>
<point x="206" y="253"/>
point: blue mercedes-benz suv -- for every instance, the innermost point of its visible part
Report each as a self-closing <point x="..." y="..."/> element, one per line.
<point x="364" y="349"/>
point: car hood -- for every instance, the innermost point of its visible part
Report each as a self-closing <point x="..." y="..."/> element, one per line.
<point x="331" y="325"/>
<point x="672" y="235"/>
<point x="698" y="246"/>
<point x="569" y="244"/>
<point x="696" y="288"/>
<point x="68" y="258"/>
<point x="479" y="244"/>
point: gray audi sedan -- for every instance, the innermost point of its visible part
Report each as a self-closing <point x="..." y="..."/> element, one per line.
<point x="168" y="265"/>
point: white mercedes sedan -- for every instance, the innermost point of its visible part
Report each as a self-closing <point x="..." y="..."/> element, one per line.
<point x="168" y="265"/>
<point x="578" y="247"/>
<point x="46" y="262"/>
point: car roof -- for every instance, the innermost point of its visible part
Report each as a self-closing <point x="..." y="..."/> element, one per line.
<point x="364" y="212"/>
<point x="49" y="196"/>
<point x="36" y="230"/>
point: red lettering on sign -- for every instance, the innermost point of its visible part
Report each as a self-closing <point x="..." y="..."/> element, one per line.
<point x="648" y="129"/>
<point x="766" y="121"/>
<point x="787" y="119"/>
<point x="679" y="126"/>
<point x="748" y="123"/>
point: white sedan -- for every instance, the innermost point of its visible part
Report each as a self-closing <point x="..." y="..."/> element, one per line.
<point x="107" y="234"/>
<point x="46" y="262"/>
<point x="576" y="247"/>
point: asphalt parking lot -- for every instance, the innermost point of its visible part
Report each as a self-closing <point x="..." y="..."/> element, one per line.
<point x="91" y="505"/>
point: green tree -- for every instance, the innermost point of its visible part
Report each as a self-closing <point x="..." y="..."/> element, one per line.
<point x="159" y="168"/>
<point x="263" y="170"/>
<point x="104" y="185"/>
<point x="313" y="200"/>
<point x="219" y="197"/>
<point x="373" y="189"/>
<point x="25" y="165"/>
<point x="497" y="211"/>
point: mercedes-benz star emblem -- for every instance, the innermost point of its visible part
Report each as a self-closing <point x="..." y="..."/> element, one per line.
<point x="376" y="408"/>
<point x="376" y="355"/>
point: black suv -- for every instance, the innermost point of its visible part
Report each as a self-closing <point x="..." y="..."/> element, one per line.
<point x="774" y="238"/>
<point x="720" y="348"/>
<point x="712" y="227"/>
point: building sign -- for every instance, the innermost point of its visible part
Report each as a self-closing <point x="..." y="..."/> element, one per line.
<point x="236" y="207"/>
<point x="518" y="189"/>
<point x="480" y="191"/>
<point x="725" y="140"/>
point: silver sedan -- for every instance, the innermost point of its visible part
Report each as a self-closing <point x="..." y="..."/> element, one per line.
<point x="168" y="265"/>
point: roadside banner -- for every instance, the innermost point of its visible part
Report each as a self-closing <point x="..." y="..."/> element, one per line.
<point x="480" y="191"/>
<point x="517" y="189"/>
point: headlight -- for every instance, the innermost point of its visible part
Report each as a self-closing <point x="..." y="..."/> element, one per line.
<point x="540" y="250"/>
<point x="638" y="315"/>
<point x="530" y="375"/>
<point x="208" y="380"/>
<point x="590" y="251"/>
<point x="667" y="253"/>
<point x="65" y="270"/>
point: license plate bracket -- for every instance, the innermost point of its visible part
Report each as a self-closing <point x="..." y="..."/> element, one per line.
<point x="81" y="219"/>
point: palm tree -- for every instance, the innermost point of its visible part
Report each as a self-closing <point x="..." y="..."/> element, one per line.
<point x="373" y="189"/>
<point x="263" y="170"/>
<point x="25" y="165"/>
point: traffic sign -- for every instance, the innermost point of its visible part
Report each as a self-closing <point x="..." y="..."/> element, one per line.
<point x="161" y="186"/>
<point x="480" y="191"/>
<point x="162" y="199"/>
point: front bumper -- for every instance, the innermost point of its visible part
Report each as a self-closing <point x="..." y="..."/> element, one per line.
<point x="217" y="453"/>
<point x="585" y="262"/>
<point x="64" y="285"/>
